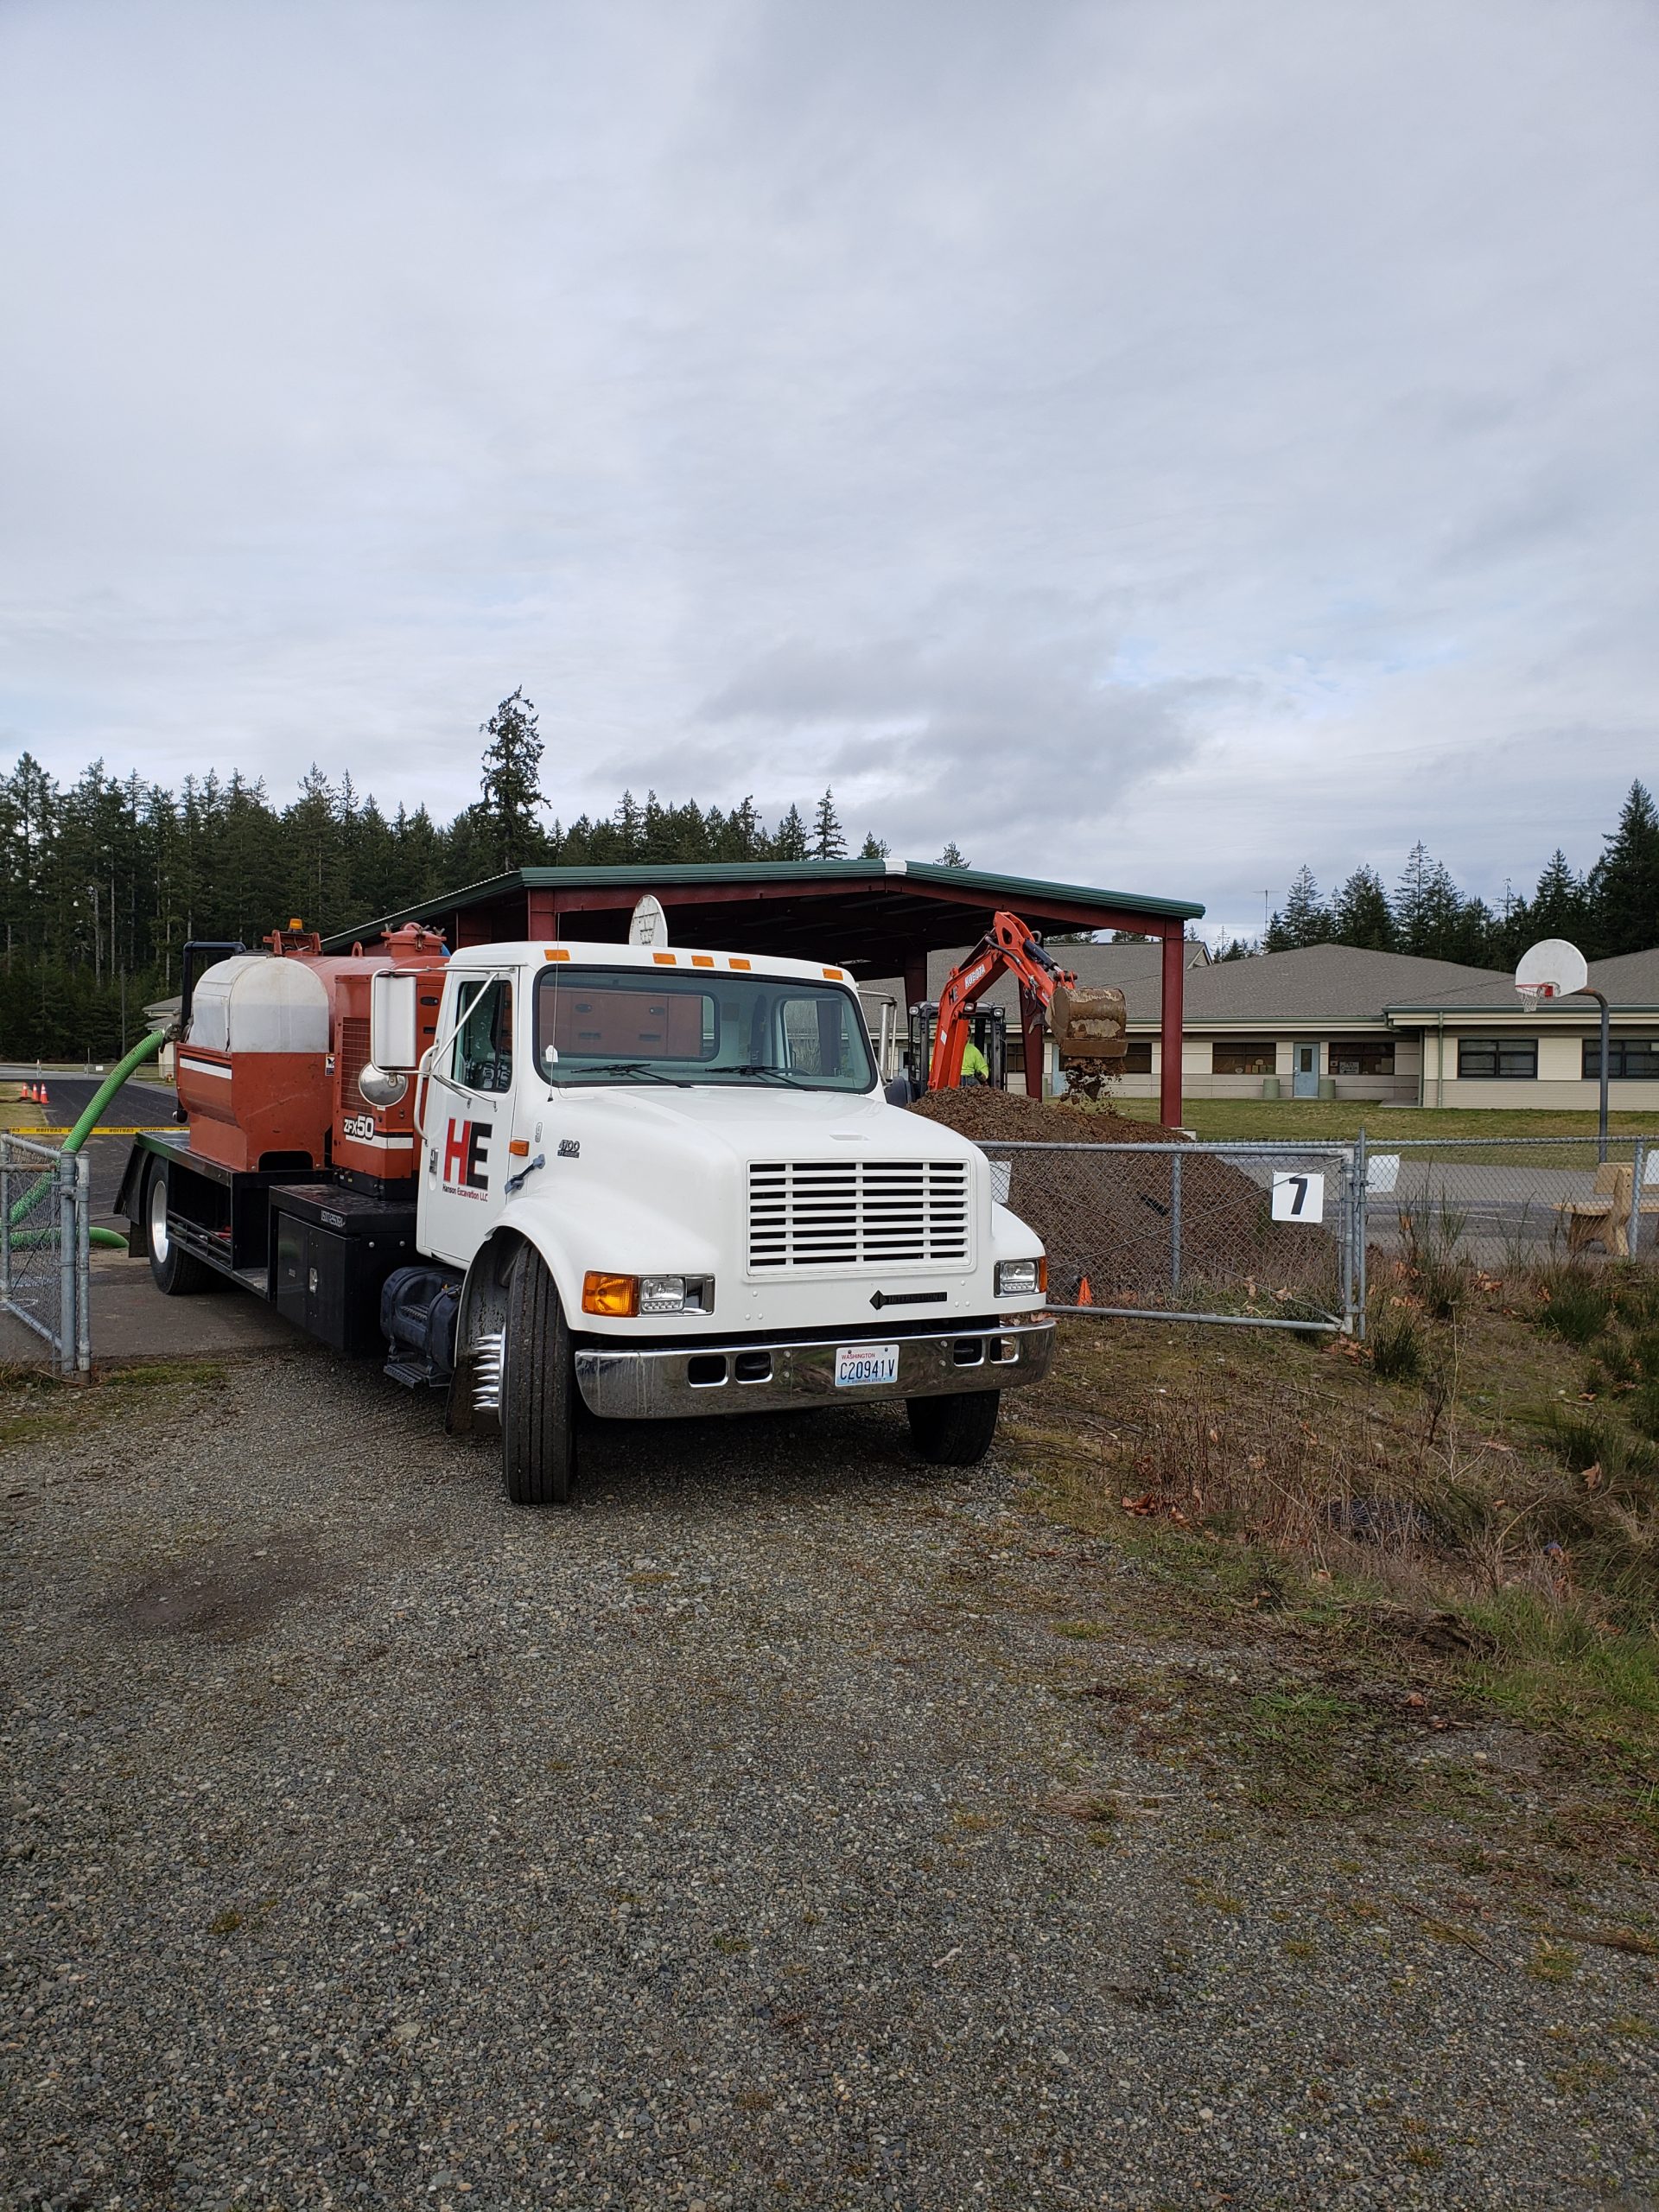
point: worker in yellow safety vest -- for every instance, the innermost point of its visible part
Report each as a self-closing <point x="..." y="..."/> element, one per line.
<point x="975" y="1068"/>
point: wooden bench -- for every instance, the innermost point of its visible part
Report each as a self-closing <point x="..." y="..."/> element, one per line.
<point x="1604" y="1218"/>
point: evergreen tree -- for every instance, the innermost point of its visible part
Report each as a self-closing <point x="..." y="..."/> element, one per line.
<point x="1305" y="918"/>
<point x="1428" y="914"/>
<point x="1360" y="914"/>
<point x="1624" y="885"/>
<point x="873" y="848"/>
<point x="1557" y="908"/>
<point x="829" y="841"/>
<point x="512" y="782"/>
<point x="952" y="856"/>
<point x="788" y="840"/>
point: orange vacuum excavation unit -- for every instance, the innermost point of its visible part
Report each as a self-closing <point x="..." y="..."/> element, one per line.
<point x="268" y="1069"/>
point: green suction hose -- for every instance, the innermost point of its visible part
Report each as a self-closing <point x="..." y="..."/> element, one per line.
<point x="145" y="1049"/>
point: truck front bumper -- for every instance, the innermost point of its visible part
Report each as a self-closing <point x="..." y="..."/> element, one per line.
<point x="670" y="1383"/>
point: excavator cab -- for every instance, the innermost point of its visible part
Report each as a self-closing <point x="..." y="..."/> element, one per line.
<point x="988" y="1027"/>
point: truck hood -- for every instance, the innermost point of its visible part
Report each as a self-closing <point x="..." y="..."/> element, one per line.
<point x="761" y="1123"/>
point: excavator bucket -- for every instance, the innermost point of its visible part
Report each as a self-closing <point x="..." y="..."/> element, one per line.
<point x="1088" y="1024"/>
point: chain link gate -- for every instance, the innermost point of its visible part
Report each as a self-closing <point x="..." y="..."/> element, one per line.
<point x="1263" y="1236"/>
<point x="45" y="1248"/>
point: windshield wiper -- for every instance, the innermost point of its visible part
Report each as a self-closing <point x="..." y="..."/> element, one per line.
<point x="773" y="1075"/>
<point x="633" y="1067"/>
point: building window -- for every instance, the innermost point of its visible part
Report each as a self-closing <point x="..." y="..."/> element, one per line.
<point x="1629" y="1060"/>
<point x="1479" y="1057"/>
<point x="1361" y="1056"/>
<point x="1243" y="1055"/>
<point x="1137" y="1058"/>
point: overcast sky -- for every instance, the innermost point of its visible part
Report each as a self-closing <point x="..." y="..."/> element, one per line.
<point x="1152" y="444"/>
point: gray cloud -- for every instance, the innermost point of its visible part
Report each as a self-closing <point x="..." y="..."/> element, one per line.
<point x="1156" y="442"/>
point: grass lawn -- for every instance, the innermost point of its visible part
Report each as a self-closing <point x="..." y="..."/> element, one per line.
<point x="1341" y="1119"/>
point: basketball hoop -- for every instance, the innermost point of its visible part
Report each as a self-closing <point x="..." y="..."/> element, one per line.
<point x="1553" y="969"/>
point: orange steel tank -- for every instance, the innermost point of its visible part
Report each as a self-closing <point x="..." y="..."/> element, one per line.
<point x="267" y="1073"/>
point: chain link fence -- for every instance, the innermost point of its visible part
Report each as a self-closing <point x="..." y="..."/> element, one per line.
<point x="45" y="1259"/>
<point x="1257" y="1234"/>
<point x="1505" y="1204"/>
<point x="1289" y="1236"/>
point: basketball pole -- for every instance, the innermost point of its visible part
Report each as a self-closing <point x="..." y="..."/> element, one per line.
<point x="1588" y="991"/>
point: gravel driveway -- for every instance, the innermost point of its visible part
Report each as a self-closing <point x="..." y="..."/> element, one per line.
<point x="792" y="1824"/>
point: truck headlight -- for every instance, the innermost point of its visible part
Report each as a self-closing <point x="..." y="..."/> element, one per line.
<point x="1021" y="1278"/>
<point x="677" y="1294"/>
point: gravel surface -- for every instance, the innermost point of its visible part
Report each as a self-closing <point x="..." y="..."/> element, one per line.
<point x="790" y="1824"/>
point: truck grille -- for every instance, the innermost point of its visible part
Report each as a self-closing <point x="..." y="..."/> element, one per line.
<point x="857" y="1213"/>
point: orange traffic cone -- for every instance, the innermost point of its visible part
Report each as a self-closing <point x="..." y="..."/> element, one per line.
<point x="1085" y="1296"/>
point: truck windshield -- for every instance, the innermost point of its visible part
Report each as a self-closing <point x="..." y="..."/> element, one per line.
<point x="625" y="1024"/>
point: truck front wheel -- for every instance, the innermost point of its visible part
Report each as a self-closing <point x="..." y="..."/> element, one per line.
<point x="538" y="1389"/>
<point x="954" y="1432"/>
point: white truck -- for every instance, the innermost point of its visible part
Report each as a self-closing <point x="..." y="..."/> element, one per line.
<point x="584" y="1180"/>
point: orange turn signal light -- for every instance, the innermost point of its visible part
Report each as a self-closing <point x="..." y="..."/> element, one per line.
<point x="1042" y="1274"/>
<point x="602" y="1294"/>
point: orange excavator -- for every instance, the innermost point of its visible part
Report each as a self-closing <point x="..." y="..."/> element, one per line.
<point x="1086" y="1025"/>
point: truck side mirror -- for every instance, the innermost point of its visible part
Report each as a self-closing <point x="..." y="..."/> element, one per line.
<point x="394" y="1020"/>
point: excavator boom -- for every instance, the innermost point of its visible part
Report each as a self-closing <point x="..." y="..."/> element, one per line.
<point x="1086" y="1025"/>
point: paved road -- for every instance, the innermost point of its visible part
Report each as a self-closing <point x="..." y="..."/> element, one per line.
<point x="135" y="1106"/>
<point x="791" y="1825"/>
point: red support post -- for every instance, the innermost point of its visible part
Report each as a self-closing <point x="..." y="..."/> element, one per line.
<point x="1169" y="1085"/>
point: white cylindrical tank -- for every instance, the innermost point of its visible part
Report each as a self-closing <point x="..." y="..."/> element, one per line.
<point x="252" y="1004"/>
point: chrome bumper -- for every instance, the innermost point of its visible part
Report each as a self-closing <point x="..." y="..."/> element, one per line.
<point x="671" y="1383"/>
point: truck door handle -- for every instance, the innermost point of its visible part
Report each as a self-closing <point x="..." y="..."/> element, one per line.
<point x="517" y="1182"/>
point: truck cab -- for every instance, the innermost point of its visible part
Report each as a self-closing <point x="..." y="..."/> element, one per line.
<point x="672" y="1185"/>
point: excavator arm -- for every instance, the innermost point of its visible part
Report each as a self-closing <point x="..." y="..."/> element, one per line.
<point x="1091" y="1022"/>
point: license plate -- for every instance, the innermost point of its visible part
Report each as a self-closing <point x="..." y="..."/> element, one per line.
<point x="858" y="1365"/>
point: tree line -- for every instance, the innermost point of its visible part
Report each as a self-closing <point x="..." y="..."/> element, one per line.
<point x="1612" y="907"/>
<point x="103" y="879"/>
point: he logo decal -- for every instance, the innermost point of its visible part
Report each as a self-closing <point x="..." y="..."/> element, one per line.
<point x="466" y="1159"/>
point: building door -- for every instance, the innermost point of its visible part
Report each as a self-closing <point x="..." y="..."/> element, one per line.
<point x="1304" y="1077"/>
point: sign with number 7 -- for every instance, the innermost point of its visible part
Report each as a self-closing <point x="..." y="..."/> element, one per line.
<point x="1298" y="1198"/>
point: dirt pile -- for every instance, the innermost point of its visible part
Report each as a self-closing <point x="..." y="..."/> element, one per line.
<point x="1133" y="1229"/>
<point x="983" y="1115"/>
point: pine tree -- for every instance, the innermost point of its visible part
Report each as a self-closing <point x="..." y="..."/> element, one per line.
<point x="1557" y="908"/>
<point x="1305" y="918"/>
<point x="828" y="840"/>
<point x="1360" y="914"/>
<point x="789" y="839"/>
<point x="1624" y="885"/>
<point x="1428" y="909"/>
<point x="952" y="856"/>
<point x="873" y="848"/>
<point x="512" y="781"/>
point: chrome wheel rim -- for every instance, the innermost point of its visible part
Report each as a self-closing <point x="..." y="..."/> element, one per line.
<point x="159" y="1242"/>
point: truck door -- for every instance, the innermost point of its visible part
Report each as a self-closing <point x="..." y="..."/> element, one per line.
<point x="466" y="1118"/>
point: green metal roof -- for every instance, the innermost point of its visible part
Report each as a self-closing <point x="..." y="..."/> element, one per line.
<point x="661" y="876"/>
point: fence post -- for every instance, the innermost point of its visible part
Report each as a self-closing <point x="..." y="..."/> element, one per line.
<point x="1638" y="1169"/>
<point x="1174" y="1221"/>
<point x="5" y="1224"/>
<point x="65" y="1344"/>
<point x="1359" y="1229"/>
<point x="83" y="1264"/>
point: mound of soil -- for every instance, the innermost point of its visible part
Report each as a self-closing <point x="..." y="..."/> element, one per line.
<point x="984" y="1115"/>
<point x="1118" y="1224"/>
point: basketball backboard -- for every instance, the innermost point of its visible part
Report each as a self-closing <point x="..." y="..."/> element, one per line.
<point x="1551" y="969"/>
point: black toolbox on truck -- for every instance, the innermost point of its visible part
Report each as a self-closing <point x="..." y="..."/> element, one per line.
<point x="332" y="1250"/>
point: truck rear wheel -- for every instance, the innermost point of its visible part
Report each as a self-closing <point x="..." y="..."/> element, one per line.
<point x="538" y="1389"/>
<point x="176" y="1272"/>
<point x="954" y="1432"/>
